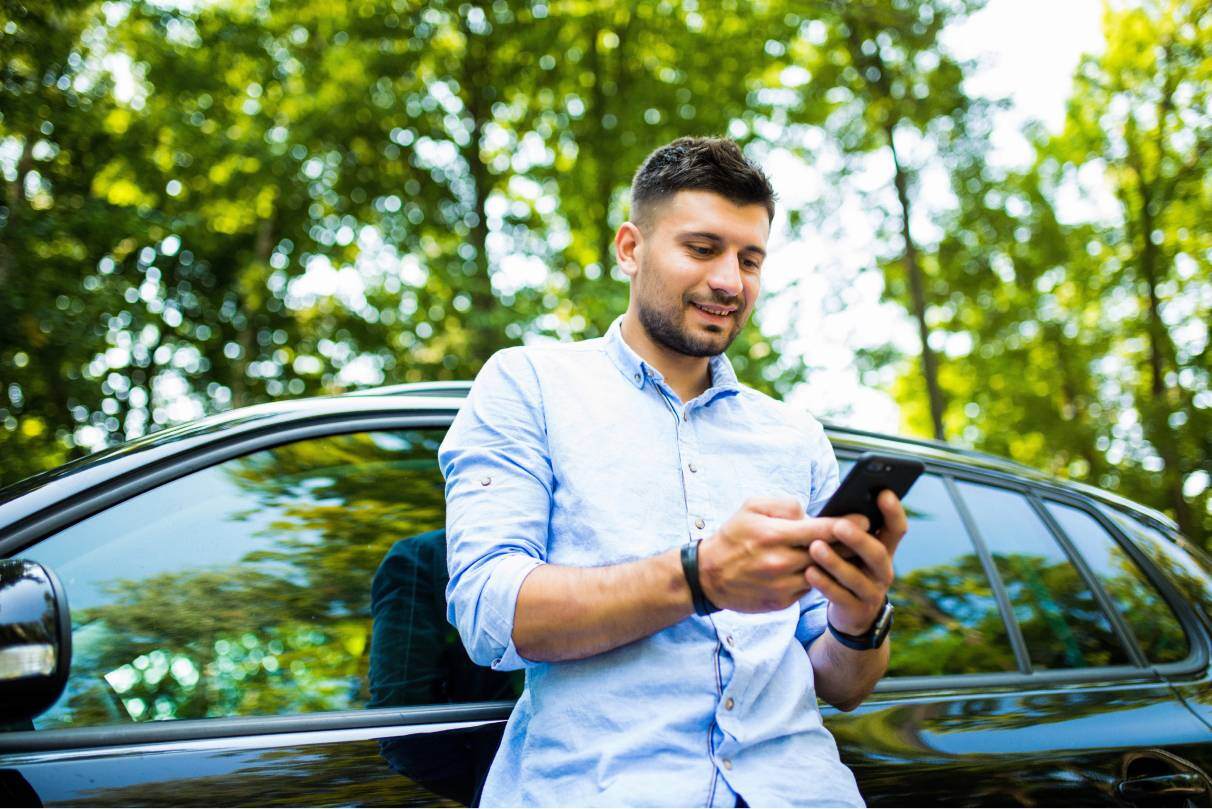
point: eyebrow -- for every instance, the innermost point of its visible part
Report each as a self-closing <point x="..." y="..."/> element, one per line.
<point x="715" y="239"/>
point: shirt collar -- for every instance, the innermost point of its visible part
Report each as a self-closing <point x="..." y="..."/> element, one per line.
<point x="637" y="371"/>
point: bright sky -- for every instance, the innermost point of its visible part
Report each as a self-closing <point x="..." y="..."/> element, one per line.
<point x="1028" y="49"/>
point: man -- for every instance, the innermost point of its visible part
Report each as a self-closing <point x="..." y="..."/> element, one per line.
<point x="628" y="523"/>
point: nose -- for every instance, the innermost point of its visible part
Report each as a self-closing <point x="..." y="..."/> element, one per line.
<point x="725" y="276"/>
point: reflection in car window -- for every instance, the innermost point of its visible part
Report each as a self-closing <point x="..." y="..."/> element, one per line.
<point x="1158" y="631"/>
<point x="245" y="589"/>
<point x="947" y="619"/>
<point x="1187" y="566"/>
<point x="1062" y="623"/>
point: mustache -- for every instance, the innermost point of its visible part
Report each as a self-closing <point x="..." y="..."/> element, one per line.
<point x="720" y="300"/>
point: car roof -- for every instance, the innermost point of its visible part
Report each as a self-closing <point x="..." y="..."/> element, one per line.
<point x="42" y="490"/>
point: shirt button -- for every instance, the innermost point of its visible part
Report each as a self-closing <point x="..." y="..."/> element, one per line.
<point x="727" y="763"/>
<point x="699" y="522"/>
<point x="693" y="468"/>
<point x="728" y="641"/>
<point x="729" y="704"/>
<point x="485" y="481"/>
<point x="637" y="377"/>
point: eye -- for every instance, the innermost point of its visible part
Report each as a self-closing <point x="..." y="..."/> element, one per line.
<point x="699" y="250"/>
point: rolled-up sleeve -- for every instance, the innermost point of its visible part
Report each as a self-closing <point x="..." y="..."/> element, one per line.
<point x="824" y="482"/>
<point x="498" y="504"/>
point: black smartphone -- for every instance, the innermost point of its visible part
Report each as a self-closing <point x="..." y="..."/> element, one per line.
<point x="870" y="475"/>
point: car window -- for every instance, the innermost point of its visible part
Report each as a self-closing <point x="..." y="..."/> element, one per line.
<point x="1061" y="621"/>
<point x="1158" y="631"/>
<point x="1188" y="567"/>
<point x="947" y="619"/>
<point x="308" y="577"/>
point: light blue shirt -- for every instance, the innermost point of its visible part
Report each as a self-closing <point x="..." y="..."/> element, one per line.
<point x="580" y="454"/>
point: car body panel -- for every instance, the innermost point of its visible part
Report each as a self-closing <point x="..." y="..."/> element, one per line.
<point x="1049" y="746"/>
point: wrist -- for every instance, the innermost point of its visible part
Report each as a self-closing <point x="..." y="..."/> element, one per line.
<point x="709" y="570"/>
<point x="690" y="569"/>
<point x="848" y="625"/>
<point x="872" y="637"/>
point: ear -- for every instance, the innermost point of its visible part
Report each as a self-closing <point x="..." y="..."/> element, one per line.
<point x="627" y="244"/>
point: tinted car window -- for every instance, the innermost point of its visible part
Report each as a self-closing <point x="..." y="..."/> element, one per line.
<point x="1061" y="621"/>
<point x="1188" y="567"/>
<point x="947" y="619"/>
<point x="251" y="588"/>
<point x="1158" y="631"/>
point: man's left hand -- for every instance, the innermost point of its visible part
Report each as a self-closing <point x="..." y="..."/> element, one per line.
<point x="857" y="586"/>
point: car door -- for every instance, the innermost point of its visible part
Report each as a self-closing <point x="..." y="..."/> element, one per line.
<point x="1188" y="572"/>
<point x="268" y="629"/>
<point x="1012" y="679"/>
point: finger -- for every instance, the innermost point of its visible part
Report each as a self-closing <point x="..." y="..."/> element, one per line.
<point x="804" y="532"/>
<point x="855" y="579"/>
<point x="896" y="522"/>
<point x="860" y="520"/>
<point x="874" y="554"/>
<point x="830" y="589"/>
<point x="787" y="508"/>
<point x="787" y="559"/>
<point x="794" y="585"/>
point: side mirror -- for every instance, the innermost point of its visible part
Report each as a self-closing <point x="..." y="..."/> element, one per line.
<point x="35" y="640"/>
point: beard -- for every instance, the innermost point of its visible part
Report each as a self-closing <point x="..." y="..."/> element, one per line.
<point x="666" y="324"/>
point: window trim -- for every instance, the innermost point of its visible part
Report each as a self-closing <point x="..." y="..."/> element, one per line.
<point x="68" y="512"/>
<point x="1013" y="631"/>
<point x="180" y="730"/>
<point x="944" y="684"/>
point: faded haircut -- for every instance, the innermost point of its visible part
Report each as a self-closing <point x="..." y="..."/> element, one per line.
<point x="698" y="164"/>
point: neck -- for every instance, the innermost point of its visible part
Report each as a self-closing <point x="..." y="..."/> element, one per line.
<point x="688" y="376"/>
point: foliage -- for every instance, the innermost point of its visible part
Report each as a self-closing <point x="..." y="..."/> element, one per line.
<point x="183" y="186"/>
<point x="1082" y="341"/>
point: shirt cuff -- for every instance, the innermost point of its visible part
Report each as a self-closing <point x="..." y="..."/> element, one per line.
<point x="814" y="615"/>
<point x="501" y="593"/>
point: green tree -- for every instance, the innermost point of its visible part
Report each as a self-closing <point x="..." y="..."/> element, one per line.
<point x="877" y="79"/>
<point x="1141" y="110"/>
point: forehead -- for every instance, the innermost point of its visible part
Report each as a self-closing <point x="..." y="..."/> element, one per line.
<point x="708" y="212"/>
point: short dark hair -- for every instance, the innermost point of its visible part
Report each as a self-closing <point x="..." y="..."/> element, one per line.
<point x="698" y="164"/>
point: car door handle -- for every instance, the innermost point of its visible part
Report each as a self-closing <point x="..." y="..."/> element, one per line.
<point x="1151" y="786"/>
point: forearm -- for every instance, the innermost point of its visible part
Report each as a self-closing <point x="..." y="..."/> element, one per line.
<point x="569" y="613"/>
<point x="844" y="677"/>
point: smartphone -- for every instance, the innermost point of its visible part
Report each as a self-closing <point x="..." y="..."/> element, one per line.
<point x="870" y="475"/>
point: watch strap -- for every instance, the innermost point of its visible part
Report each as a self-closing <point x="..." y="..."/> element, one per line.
<point x="873" y="638"/>
<point x="690" y="568"/>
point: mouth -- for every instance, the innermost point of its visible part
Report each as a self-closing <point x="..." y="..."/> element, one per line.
<point x="716" y="314"/>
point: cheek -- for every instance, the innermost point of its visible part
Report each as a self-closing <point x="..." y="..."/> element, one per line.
<point x="752" y="285"/>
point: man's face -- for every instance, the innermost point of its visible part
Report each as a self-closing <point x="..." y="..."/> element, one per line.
<point x="698" y="270"/>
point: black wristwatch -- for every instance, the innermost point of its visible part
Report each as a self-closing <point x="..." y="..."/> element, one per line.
<point x="874" y="637"/>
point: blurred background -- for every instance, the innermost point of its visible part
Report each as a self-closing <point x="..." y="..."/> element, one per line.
<point x="992" y="224"/>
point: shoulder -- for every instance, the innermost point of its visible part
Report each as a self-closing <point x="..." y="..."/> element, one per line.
<point x="537" y="359"/>
<point x="767" y="408"/>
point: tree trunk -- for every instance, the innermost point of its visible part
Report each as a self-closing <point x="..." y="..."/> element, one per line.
<point x="1162" y="400"/>
<point x="917" y="291"/>
<point x="474" y="94"/>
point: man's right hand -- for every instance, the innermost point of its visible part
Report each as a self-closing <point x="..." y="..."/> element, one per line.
<point x="756" y="561"/>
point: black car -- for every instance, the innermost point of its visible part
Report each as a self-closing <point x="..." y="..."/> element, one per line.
<point x="258" y="618"/>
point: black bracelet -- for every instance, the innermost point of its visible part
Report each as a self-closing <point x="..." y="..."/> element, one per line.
<point x="690" y="568"/>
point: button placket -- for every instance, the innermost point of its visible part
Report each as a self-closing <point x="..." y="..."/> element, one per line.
<point x="698" y="500"/>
